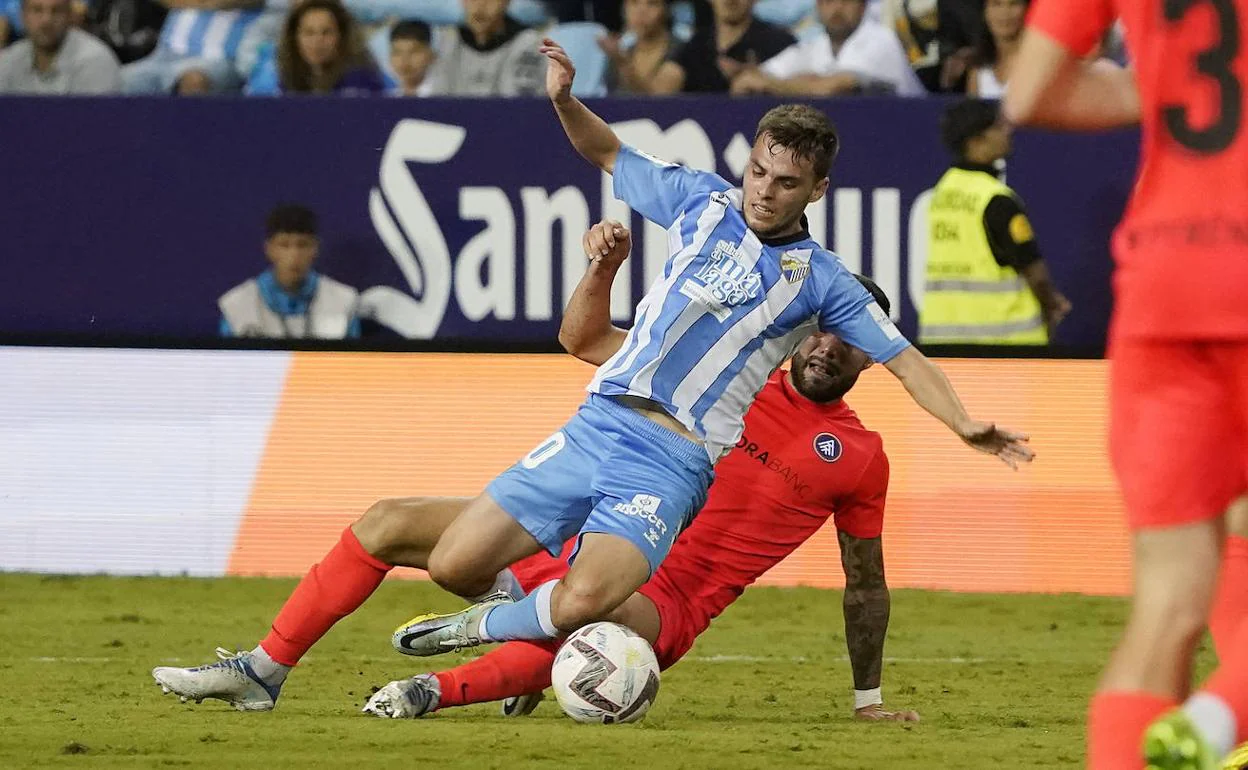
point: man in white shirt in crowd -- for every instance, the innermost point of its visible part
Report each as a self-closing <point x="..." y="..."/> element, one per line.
<point x="855" y="55"/>
<point x="55" y="59"/>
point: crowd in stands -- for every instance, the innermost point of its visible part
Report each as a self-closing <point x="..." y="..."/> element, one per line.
<point x="799" y="48"/>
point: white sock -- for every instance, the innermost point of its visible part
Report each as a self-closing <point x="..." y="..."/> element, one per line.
<point x="506" y="582"/>
<point x="272" y="672"/>
<point x="1214" y="719"/>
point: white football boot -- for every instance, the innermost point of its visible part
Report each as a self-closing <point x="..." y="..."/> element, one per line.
<point x="521" y="705"/>
<point x="406" y="698"/>
<point x="426" y="635"/>
<point x="231" y="679"/>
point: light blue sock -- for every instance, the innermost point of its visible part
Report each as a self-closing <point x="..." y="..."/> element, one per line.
<point x="528" y="618"/>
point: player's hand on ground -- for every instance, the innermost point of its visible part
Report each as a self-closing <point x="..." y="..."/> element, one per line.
<point x="878" y="713"/>
<point x="1009" y="445"/>
<point x="607" y="242"/>
<point x="559" y="70"/>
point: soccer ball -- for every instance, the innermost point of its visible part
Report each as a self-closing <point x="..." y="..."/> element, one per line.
<point x="605" y="673"/>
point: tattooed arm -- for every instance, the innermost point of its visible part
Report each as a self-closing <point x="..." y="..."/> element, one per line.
<point x="867" y="603"/>
<point x="866" y="607"/>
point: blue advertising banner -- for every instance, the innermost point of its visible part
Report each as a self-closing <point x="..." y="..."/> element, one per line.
<point x="459" y="218"/>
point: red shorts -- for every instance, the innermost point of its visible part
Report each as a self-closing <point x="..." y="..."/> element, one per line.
<point x="679" y="623"/>
<point x="1178" y="433"/>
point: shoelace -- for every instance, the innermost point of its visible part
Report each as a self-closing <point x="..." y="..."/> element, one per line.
<point x="225" y="659"/>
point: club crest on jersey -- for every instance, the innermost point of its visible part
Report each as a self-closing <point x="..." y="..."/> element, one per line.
<point x="725" y="282"/>
<point x="795" y="265"/>
<point x="828" y="447"/>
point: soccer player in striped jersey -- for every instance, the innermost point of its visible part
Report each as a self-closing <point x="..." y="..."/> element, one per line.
<point x="744" y="285"/>
<point x="804" y="459"/>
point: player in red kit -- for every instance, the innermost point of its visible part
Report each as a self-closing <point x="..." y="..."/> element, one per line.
<point x="804" y="458"/>
<point x="1179" y="352"/>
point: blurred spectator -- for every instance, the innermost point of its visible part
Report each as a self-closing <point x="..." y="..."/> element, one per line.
<point x="604" y="12"/>
<point x="986" y="281"/>
<point x="493" y="55"/>
<point x="204" y="46"/>
<point x="291" y="300"/>
<point x="854" y="55"/>
<point x="130" y="27"/>
<point x="939" y="37"/>
<point x="56" y="59"/>
<point x="321" y="52"/>
<point x="717" y="54"/>
<point x="998" y="43"/>
<point x="411" y="55"/>
<point x="10" y="13"/>
<point x="648" y="42"/>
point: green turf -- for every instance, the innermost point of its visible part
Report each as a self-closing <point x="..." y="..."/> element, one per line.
<point x="1001" y="682"/>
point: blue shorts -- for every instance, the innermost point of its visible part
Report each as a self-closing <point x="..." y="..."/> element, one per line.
<point x="608" y="470"/>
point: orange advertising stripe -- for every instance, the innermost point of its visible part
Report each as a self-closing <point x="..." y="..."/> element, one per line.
<point x="354" y="428"/>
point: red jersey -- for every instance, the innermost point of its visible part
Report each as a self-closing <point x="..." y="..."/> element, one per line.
<point x="797" y="464"/>
<point x="1182" y="246"/>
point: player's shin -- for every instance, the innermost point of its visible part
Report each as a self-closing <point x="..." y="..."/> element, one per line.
<point x="515" y="668"/>
<point x="1230" y="607"/>
<point x="334" y="588"/>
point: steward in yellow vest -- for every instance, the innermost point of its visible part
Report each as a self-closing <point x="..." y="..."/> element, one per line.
<point x="986" y="281"/>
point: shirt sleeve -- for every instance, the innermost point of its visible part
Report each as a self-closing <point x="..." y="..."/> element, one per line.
<point x="1009" y="232"/>
<point x="861" y="512"/>
<point x="786" y="64"/>
<point x="850" y="313"/>
<point x="657" y="190"/>
<point x="1076" y="24"/>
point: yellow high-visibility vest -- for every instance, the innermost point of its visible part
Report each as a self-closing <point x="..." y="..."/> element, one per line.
<point x="970" y="299"/>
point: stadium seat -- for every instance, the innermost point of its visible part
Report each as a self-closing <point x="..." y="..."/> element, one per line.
<point x="784" y="13"/>
<point x="580" y="40"/>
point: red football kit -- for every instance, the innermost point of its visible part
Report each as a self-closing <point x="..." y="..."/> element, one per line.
<point x="1179" y="338"/>
<point x="797" y="464"/>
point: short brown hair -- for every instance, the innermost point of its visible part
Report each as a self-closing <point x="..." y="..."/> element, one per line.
<point x="804" y="131"/>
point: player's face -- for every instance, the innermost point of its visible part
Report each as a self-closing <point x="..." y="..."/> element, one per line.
<point x="778" y="187"/>
<point x="47" y="22"/>
<point x="841" y="17"/>
<point x="825" y="367"/>
<point x="484" y="14"/>
<point x="1005" y="18"/>
<point x="410" y="60"/>
<point x="318" y="38"/>
<point x="732" y="11"/>
<point x="292" y="255"/>
<point x="644" y="16"/>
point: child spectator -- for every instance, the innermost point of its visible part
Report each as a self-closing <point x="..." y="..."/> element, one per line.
<point x="411" y="55"/>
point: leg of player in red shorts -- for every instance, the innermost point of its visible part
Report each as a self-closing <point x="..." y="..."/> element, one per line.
<point x="1172" y="434"/>
<point x="1231" y="605"/>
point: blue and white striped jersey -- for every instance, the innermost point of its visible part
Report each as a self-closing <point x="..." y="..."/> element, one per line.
<point x="206" y="34"/>
<point x="728" y="308"/>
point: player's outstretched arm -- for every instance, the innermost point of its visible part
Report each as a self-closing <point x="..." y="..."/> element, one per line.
<point x="589" y="134"/>
<point x="867" y="605"/>
<point x="1049" y="87"/>
<point x="587" y="331"/>
<point x="931" y="390"/>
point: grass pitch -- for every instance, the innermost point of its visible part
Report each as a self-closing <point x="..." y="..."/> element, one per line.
<point x="1000" y="681"/>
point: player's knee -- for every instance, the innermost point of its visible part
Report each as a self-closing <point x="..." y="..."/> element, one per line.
<point x="381" y="528"/>
<point x="456" y="574"/>
<point x="1172" y="619"/>
<point x="1237" y="518"/>
<point x="576" y="604"/>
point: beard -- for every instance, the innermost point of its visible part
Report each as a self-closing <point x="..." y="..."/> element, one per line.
<point x="819" y="384"/>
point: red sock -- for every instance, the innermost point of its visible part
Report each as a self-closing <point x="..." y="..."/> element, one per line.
<point x="1230" y="606"/>
<point x="1116" y="724"/>
<point x="516" y="668"/>
<point x="1230" y="681"/>
<point x="330" y="591"/>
